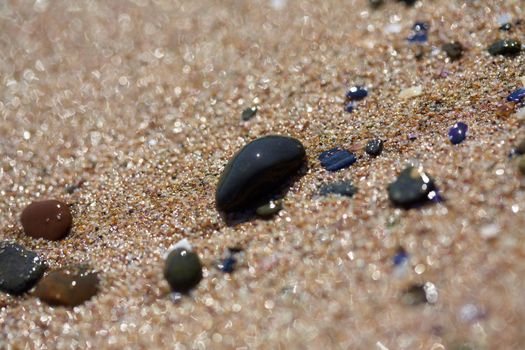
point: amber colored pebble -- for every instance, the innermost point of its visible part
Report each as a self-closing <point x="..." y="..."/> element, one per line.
<point x="49" y="219"/>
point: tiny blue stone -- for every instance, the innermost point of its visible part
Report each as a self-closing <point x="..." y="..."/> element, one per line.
<point x="357" y="93"/>
<point x="419" y="37"/>
<point x="400" y="257"/>
<point x="517" y="95"/>
<point x="336" y="159"/>
<point x="228" y="264"/>
<point x="420" y="27"/>
<point x="349" y="108"/>
<point x="457" y="133"/>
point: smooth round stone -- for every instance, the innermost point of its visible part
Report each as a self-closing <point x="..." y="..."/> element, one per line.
<point x="374" y="147"/>
<point x="505" y="48"/>
<point x="454" y="50"/>
<point x="20" y="269"/>
<point x="411" y="188"/>
<point x="183" y="270"/>
<point x="258" y="171"/>
<point x="49" y="219"/>
<point x="68" y="286"/>
<point x="457" y="133"/>
<point x="269" y="209"/>
<point x="343" y="188"/>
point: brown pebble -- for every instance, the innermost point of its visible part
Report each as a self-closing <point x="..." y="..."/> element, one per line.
<point x="68" y="286"/>
<point x="49" y="219"/>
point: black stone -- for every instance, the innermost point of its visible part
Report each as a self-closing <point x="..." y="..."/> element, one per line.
<point x="411" y="188"/>
<point x="20" y="269"/>
<point x="454" y="50"/>
<point x="258" y="171"/>
<point x="183" y="270"/>
<point x="343" y="188"/>
<point x="505" y="27"/>
<point x="249" y="113"/>
<point x="505" y="48"/>
<point x="374" y="147"/>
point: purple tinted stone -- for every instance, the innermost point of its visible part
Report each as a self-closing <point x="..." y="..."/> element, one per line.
<point x="457" y="133"/>
<point x="357" y="93"/>
<point x="517" y="95"/>
<point x="336" y="159"/>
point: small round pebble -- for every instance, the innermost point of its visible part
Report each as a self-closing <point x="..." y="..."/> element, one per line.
<point x="505" y="48"/>
<point x="68" y="286"/>
<point x="343" y="188"/>
<point x="336" y="159"/>
<point x="49" y="219"/>
<point x="249" y="113"/>
<point x="374" y="147"/>
<point x="411" y="188"/>
<point x="20" y="269"/>
<point x="458" y="133"/>
<point x="454" y="50"/>
<point x="183" y="270"/>
<point x="357" y="93"/>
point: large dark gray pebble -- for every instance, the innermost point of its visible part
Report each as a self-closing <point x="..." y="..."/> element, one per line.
<point x="257" y="171"/>
<point x="411" y="188"/>
<point x="20" y="269"/>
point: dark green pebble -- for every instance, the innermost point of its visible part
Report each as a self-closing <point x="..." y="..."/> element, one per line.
<point x="505" y="48"/>
<point x="343" y="188"/>
<point x="374" y="147"/>
<point x="454" y="50"/>
<point x="20" y="269"/>
<point x="258" y="171"/>
<point x="411" y="188"/>
<point x="269" y="209"/>
<point x="183" y="270"/>
<point x="249" y="113"/>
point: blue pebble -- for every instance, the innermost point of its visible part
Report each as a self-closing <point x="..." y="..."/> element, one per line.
<point x="401" y="257"/>
<point x="421" y="27"/>
<point x="457" y="133"/>
<point x="336" y="159"/>
<point x="357" y="93"/>
<point x="517" y="95"/>
<point x="419" y="37"/>
<point x="228" y="264"/>
<point x="349" y="108"/>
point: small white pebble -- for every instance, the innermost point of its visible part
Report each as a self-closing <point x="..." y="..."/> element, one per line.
<point x="431" y="292"/>
<point x="411" y="92"/>
<point x="490" y="231"/>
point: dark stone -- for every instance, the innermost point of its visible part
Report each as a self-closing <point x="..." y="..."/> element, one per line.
<point x="270" y="209"/>
<point x="401" y="256"/>
<point x="505" y="48"/>
<point x="458" y="133"/>
<point x="336" y="159"/>
<point x="411" y="188"/>
<point x="228" y="264"/>
<point x="374" y="147"/>
<point x="343" y="188"/>
<point x="454" y="50"/>
<point x="49" y="219"/>
<point x="520" y="149"/>
<point x="349" y="108"/>
<point x="183" y="270"/>
<point x="257" y="171"/>
<point x="357" y="93"/>
<point x="249" y="113"/>
<point x="375" y="3"/>
<point x="506" y="27"/>
<point x="20" y="269"/>
<point x="68" y="286"/>
<point x="517" y="95"/>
